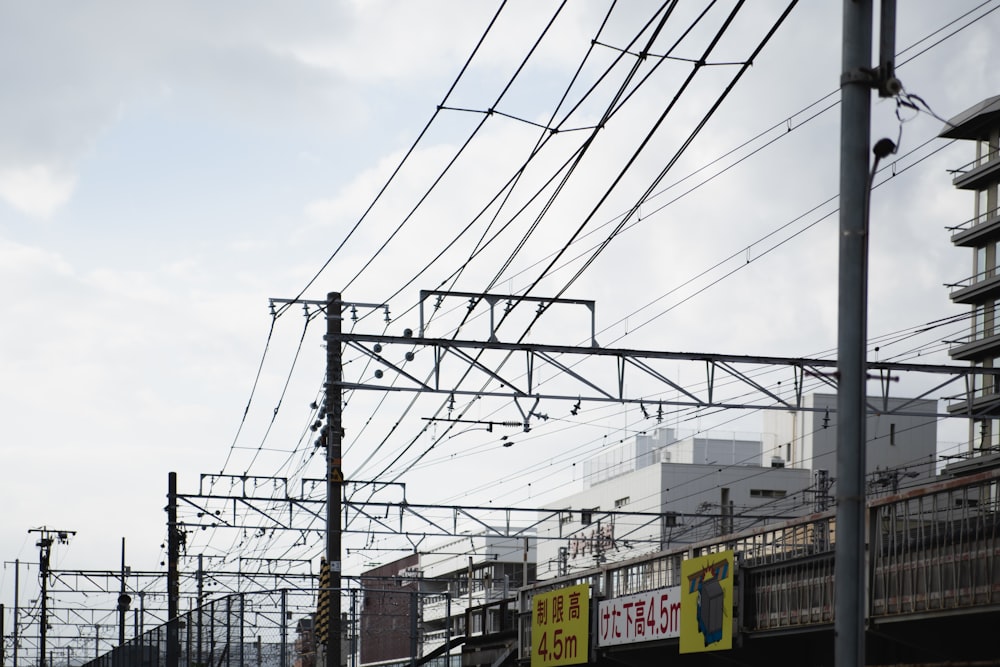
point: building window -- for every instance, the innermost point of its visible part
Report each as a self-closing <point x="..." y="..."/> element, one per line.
<point x="992" y="310"/>
<point x="980" y="268"/>
<point x="892" y="435"/>
<point x="985" y="152"/>
<point x="768" y="493"/>
<point x="982" y="152"/>
<point x="622" y="502"/>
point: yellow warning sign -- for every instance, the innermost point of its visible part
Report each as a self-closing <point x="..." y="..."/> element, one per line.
<point x="560" y="627"/>
<point x="336" y="475"/>
<point x="707" y="603"/>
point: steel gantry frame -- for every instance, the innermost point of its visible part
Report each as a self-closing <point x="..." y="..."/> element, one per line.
<point x="593" y="386"/>
<point x="230" y="510"/>
<point x="474" y="363"/>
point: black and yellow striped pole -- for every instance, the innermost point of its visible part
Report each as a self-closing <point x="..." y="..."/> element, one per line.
<point x="322" y="624"/>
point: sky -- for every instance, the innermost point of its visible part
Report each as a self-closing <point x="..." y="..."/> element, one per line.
<point x="168" y="168"/>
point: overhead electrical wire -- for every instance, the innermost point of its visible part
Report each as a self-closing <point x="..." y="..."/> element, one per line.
<point x="505" y="191"/>
<point x="620" y="88"/>
<point x="631" y="161"/>
<point x="406" y="156"/>
<point x="886" y="339"/>
<point x="799" y="112"/>
<point x="767" y="251"/>
<point x="438" y="179"/>
<point x="687" y="142"/>
<point x="272" y="325"/>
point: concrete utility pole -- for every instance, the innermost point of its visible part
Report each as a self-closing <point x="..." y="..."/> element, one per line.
<point x="44" y="544"/>
<point x="856" y="83"/>
<point x="335" y="473"/>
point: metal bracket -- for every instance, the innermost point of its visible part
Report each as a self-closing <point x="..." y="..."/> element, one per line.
<point x="864" y="75"/>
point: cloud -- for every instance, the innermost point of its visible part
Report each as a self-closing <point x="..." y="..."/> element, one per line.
<point x="37" y="190"/>
<point x="72" y="75"/>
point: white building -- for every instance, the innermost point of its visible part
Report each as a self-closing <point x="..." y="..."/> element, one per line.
<point x="659" y="491"/>
<point x="667" y="445"/>
<point x="899" y="447"/>
<point x="662" y="489"/>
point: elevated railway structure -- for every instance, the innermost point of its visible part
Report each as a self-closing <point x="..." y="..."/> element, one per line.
<point x="932" y="559"/>
<point x="933" y="588"/>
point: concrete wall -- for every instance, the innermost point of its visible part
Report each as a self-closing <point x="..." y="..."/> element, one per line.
<point x="893" y="442"/>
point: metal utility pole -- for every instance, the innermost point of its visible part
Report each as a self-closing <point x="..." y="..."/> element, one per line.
<point x="173" y="575"/>
<point x="855" y="124"/>
<point x="44" y="544"/>
<point x="17" y="610"/>
<point x="856" y="83"/>
<point x="200" y="577"/>
<point x="123" y="601"/>
<point x="335" y="473"/>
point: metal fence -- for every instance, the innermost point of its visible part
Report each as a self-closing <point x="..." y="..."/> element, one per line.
<point x="929" y="549"/>
<point x="260" y="629"/>
<point x="936" y="550"/>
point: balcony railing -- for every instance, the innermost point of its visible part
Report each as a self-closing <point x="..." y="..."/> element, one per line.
<point x="972" y="223"/>
<point x="973" y="174"/>
<point x="974" y="279"/>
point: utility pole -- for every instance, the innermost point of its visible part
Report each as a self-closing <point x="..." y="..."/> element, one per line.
<point x="123" y="601"/>
<point x="17" y="611"/>
<point x="335" y="473"/>
<point x="855" y="132"/>
<point x="200" y="576"/>
<point x="46" y="537"/>
<point x="173" y="575"/>
<point x="856" y="83"/>
<point x="524" y="564"/>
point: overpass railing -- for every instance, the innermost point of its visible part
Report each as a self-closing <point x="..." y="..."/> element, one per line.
<point x="929" y="549"/>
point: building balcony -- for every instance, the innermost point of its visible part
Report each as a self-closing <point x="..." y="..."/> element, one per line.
<point x="435" y="607"/>
<point x="980" y="288"/>
<point x="980" y="404"/>
<point x="976" y="347"/>
<point x="977" y="175"/>
<point x="977" y="231"/>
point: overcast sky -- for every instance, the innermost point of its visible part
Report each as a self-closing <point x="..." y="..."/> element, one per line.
<point x="166" y="168"/>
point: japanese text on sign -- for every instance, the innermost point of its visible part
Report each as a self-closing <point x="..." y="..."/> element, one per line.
<point x="598" y="540"/>
<point x="560" y="623"/>
<point x="640" y="618"/>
